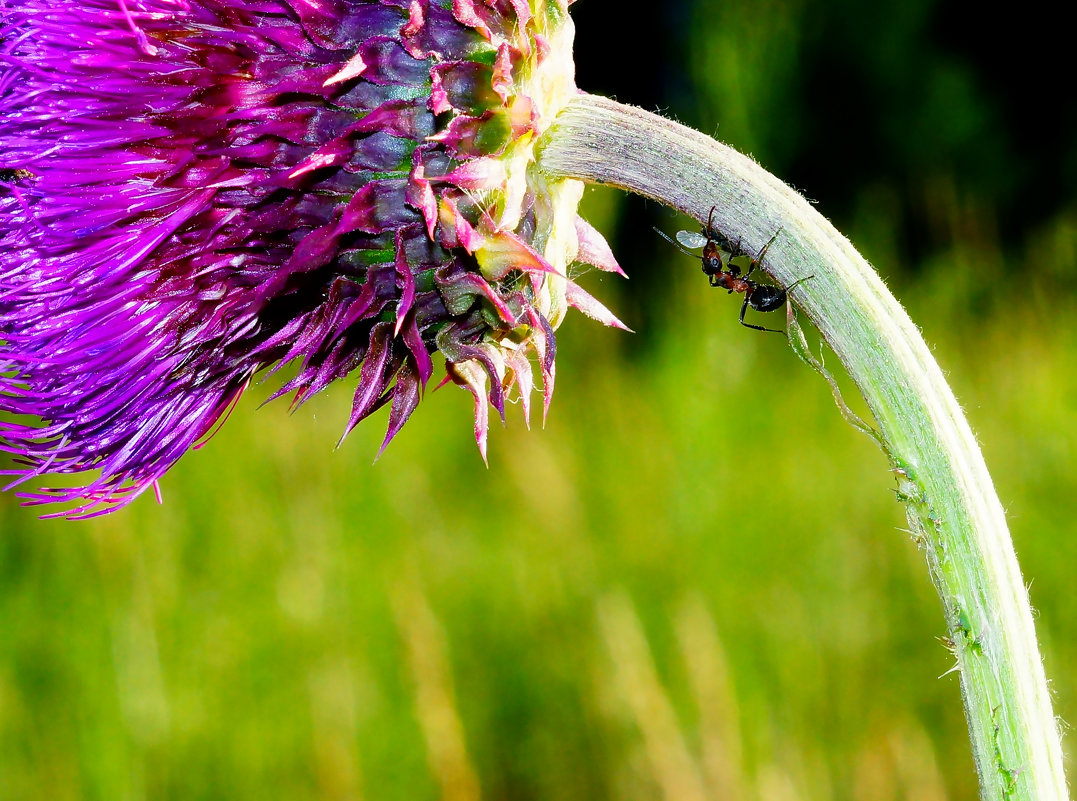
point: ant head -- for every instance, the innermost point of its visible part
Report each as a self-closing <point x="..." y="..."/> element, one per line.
<point x="712" y="259"/>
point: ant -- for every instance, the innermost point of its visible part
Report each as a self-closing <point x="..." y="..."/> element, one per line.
<point x="761" y="297"/>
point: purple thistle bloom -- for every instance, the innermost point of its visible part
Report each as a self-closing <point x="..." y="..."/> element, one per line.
<point x="193" y="191"/>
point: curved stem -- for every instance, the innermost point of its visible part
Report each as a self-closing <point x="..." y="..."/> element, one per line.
<point x="951" y="502"/>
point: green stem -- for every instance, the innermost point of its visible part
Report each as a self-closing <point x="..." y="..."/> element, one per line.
<point x="952" y="505"/>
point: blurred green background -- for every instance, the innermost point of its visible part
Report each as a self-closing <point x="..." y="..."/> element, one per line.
<point x="692" y="584"/>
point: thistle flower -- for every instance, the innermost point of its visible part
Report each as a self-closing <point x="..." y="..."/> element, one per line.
<point x="194" y="191"/>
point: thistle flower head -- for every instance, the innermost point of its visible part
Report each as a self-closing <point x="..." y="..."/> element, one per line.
<point x="194" y="191"/>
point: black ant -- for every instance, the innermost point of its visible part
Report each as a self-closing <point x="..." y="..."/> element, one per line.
<point x="761" y="297"/>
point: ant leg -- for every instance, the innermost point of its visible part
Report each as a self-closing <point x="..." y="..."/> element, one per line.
<point x="758" y="260"/>
<point x="763" y="251"/>
<point x="744" y="308"/>
<point x="798" y="281"/>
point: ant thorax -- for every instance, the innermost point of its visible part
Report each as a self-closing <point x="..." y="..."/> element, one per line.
<point x="722" y="280"/>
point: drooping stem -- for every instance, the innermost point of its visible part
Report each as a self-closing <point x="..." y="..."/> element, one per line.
<point x="951" y="502"/>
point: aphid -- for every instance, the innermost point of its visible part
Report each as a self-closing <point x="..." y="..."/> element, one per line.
<point x="761" y="297"/>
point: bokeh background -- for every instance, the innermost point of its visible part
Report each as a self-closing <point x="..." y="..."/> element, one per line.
<point x="692" y="584"/>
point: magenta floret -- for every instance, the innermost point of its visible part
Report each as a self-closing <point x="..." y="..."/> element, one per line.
<point x="193" y="191"/>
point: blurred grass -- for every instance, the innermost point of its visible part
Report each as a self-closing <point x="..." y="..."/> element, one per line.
<point x="693" y="578"/>
<point x="692" y="584"/>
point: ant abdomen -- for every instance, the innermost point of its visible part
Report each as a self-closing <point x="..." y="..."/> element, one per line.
<point x="765" y="297"/>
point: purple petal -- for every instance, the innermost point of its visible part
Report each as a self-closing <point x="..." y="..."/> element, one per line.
<point x="405" y="399"/>
<point x="594" y="249"/>
<point x="579" y="299"/>
<point x="372" y="378"/>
